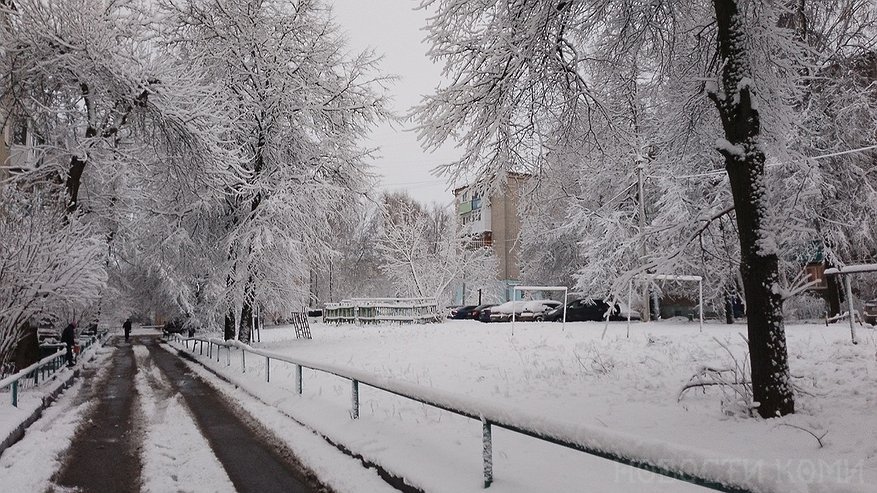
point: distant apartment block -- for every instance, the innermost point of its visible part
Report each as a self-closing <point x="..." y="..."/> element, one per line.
<point x="17" y="149"/>
<point x="493" y="221"/>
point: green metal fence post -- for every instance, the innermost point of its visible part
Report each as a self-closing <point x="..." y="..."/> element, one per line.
<point x="298" y="379"/>
<point x="487" y="452"/>
<point x="354" y="414"/>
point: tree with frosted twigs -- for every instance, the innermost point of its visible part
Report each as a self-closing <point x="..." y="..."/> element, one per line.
<point x="583" y="93"/>
<point x="116" y="122"/>
<point x="194" y="137"/>
<point x="352" y="268"/>
<point x="48" y="265"/>
<point x="300" y="105"/>
<point x="421" y="252"/>
<point x="102" y="95"/>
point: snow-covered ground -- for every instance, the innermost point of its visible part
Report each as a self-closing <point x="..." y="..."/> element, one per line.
<point x="572" y="375"/>
<point x="568" y="376"/>
<point x="29" y="400"/>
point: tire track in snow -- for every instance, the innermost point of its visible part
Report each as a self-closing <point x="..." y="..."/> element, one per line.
<point x="175" y="455"/>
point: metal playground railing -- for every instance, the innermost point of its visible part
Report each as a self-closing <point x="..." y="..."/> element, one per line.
<point x="42" y="369"/>
<point x="658" y="458"/>
<point x="382" y="310"/>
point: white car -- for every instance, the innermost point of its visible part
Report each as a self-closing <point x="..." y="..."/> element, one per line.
<point x="524" y="310"/>
<point x="535" y="310"/>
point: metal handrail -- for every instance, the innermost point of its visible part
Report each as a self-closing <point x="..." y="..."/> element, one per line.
<point x="658" y="458"/>
<point x="44" y="368"/>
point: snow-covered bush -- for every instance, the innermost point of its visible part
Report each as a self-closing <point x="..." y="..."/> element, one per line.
<point x="805" y="306"/>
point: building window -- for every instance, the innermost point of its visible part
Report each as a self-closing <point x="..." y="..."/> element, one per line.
<point x="19" y="132"/>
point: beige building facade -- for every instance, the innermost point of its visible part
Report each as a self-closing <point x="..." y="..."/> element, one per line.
<point x="494" y="221"/>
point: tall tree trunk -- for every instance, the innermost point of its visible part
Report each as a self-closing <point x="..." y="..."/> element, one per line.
<point x="229" y="331"/>
<point x="834" y="295"/>
<point x="245" y="330"/>
<point x="744" y="162"/>
<point x="729" y="309"/>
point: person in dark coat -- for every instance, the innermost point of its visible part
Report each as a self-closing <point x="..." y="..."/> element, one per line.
<point x="68" y="337"/>
<point x="127" y="327"/>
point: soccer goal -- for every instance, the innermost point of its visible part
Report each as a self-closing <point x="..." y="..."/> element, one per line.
<point x="844" y="273"/>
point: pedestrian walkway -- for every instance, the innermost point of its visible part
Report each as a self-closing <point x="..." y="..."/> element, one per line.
<point x="105" y="453"/>
<point x="251" y="464"/>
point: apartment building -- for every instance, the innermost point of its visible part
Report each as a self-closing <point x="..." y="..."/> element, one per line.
<point x="17" y="147"/>
<point x="493" y="221"/>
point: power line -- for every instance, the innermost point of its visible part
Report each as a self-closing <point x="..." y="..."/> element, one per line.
<point x="770" y="165"/>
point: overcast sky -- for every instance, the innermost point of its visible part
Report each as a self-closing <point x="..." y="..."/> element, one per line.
<point x="393" y="28"/>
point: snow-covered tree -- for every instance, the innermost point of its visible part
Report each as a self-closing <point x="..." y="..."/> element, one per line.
<point x="351" y="269"/>
<point x="591" y="94"/>
<point x="101" y="97"/>
<point x="118" y="123"/>
<point x="49" y="264"/>
<point x="300" y="104"/>
<point x="422" y="252"/>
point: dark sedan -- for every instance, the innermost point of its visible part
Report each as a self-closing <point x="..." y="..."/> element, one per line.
<point x="475" y="313"/>
<point x="482" y="313"/>
<point x="462" y="312"/>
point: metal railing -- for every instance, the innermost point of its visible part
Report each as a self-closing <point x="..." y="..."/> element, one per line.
<point x="381" y="310"/>
<point x="661" y="459"/>
<point x="42" y="369"/>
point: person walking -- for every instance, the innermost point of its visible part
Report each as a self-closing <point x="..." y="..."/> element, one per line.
<point x="68" y="337"/>
<point x="127" y="327"/>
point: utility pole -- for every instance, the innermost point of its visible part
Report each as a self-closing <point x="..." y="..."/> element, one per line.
<point x="640" y="163"/>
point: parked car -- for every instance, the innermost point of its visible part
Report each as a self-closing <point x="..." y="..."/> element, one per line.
<point x="503" y="311"/>
<point x="869" y="313"/>
<point x="535" y="310"/>
<point x="524" y="310"/>
<point x="591" y="309"/>
<point x="475" y="313"/>
<point x="461" y="312"/>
